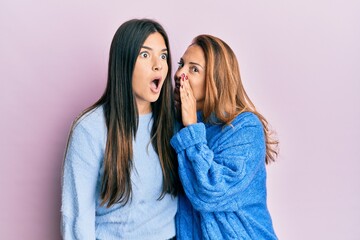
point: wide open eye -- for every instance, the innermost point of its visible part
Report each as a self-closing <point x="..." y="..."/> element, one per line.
<point x="144" y="54"/>
<point x="164" y="56"/>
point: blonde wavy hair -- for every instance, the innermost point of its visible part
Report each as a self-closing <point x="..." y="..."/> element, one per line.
<point x="225" y="93"/>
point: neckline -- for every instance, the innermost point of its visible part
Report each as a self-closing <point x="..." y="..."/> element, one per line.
<point x="145" y="115"/>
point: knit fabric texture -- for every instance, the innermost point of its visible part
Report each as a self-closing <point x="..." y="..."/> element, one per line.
<point x="144" y="217"/>
<point x="222" y="169"/>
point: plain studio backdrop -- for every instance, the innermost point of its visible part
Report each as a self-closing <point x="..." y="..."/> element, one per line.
<point x="300" y="63"/>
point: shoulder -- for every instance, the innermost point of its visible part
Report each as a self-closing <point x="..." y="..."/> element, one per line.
<point x="94" y="116"/>
<point x="88" y="137"/>
<point x="91" y="120"/>
<point x="91" y="123"/>
<point x="245" y="127"/>
<point x="246" y="119"/>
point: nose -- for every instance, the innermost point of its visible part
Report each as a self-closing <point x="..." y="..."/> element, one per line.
<point x="179" y="72"/>
<point x="157" y="66"/>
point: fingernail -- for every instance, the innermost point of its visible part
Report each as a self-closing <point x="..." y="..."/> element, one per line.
<point x="183" y="74"/>
<point x="186" y="77"/>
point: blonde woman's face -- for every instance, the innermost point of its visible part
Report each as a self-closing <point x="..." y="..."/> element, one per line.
<point x="192" y="64"/>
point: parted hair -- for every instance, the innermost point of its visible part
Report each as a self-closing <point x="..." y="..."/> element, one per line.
<point x="225" y="93"/>
<point x="122" y="117"/>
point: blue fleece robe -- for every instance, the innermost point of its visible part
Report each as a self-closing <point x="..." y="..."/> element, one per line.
<point x="222" y="169"/>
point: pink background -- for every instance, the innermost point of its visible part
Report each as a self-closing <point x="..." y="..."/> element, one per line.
<point x="300" y="62"/>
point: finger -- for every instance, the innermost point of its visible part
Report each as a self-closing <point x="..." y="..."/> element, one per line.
<point x="185" y="87"/>
<point x="188" y="88"/>
<point x="183" y="83"/>
<point x="183" y="93"/>
<point x="182" y="78"/>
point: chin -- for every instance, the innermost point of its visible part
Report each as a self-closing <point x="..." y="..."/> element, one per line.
<point x="154" y="99"/>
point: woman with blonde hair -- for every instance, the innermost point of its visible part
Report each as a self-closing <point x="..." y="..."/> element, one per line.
<point x="222" y="148"/>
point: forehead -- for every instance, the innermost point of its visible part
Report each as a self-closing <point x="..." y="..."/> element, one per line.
<point x="194" y="53"/>
<point x="155" y="40"/>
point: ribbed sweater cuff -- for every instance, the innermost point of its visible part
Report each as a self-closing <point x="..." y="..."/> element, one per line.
<point x="189" y="136"/>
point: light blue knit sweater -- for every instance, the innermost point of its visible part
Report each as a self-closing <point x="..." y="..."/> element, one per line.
<point x="145" y="217"/>
<point x="223" y="173"/>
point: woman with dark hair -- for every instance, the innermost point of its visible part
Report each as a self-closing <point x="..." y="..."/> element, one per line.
<point x="222" y="148"/>
<point x="120" y="172"/>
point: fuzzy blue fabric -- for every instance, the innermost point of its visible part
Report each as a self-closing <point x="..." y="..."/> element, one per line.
<point x="83" y="217"/>
<point x="222" y="169"/>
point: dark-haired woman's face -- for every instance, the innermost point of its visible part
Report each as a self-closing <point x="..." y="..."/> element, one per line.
<point x="150" y="72"/>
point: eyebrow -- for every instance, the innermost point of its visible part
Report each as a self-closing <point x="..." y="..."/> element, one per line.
<point x="149" y="48"/>
<point x="192" y="63"/>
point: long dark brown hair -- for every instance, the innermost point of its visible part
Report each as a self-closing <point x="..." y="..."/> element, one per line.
<point x="122" y="116"/>
<point x="225" y="93"/>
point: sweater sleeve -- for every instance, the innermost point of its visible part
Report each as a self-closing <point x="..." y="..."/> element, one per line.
<point x="215" y="177"/>
<point x="80" y="175"/>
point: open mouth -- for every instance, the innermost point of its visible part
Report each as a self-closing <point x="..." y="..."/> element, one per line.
<point x="155" y="85"/>
<point x="156" y="82"/>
